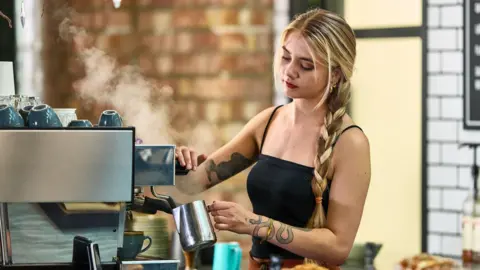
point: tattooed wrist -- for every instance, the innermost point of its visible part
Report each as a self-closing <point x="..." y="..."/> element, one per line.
<point x="218" y="173"/>
<point x="262" y="223"/>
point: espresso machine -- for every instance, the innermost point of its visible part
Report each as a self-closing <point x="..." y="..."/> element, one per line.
<point x="47" y="176"/>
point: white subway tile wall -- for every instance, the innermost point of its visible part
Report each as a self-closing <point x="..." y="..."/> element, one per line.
<point x="451" y="108"/>
<point x="443" y="222"/>
<point x="440" y="84"/>
<point x="448" y="166"/>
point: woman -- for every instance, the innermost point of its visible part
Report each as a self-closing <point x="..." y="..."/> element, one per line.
<point x="312" y="172"/>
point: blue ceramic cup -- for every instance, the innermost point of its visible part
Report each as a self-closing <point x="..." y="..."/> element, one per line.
<point x="9" y="117"/>
<point x="227" y="256"/>
<point x="110" y="118"/>
<point x="80" y="123"/>
<point x="43" y="116"/>
<point x="133" y="242"/>
<point x="24" y="113"/>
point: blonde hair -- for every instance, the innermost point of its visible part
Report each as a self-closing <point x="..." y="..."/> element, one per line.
<point x="332" y="43"/>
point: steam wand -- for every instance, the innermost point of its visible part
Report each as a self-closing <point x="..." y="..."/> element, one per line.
<point x="475" y="167"/>
<point x="147" y="205"/>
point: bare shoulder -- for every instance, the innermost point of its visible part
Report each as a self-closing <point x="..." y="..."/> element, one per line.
<point x="353" y="144"/>
<point x="263" y="116"/>
<point x="258" y="123"/>
<point x="352" y="137"/>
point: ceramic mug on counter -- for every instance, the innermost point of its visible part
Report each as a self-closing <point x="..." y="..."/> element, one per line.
<point x="66" y="115"/>
<point x="80" y="123"/>
<point x="43" y="116"/>
<point x="9" y="117"/>
<point x="24" y="113"/>
<point x="133" y="242"/>
<point x="110" y="118"/>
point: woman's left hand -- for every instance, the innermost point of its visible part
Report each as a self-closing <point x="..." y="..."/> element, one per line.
<point x="232" y="217"/>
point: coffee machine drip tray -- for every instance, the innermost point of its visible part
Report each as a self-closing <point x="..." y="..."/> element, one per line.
<point x="150" y="264"/>
<point x="55" y="266"/>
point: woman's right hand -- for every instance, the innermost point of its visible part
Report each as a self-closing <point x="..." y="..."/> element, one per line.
<point x="187" y="157"/>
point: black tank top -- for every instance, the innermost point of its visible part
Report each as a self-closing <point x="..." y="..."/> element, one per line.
<point x="281" y="190"/>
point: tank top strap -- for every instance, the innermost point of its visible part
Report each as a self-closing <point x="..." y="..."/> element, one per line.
<point x="266" y="127"/>
<point x="345" y="129"/>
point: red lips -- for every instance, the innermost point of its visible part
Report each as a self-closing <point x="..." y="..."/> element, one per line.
<point x="290" y="85"/>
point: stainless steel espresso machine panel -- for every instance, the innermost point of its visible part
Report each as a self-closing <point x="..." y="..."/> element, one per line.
<point x="43" y="170"/>
<point x="80" y="165"/>
<point x="58" y="184"/>
<point x="154" y="165"/>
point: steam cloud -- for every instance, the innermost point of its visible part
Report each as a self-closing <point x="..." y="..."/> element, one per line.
<point x="106" y="82"/>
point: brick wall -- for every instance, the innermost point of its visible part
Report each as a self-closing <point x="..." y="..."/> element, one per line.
<point x="449" y="178"/>
<point x="216" y="56"/>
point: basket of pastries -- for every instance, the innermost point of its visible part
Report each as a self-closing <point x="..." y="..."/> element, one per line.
<point x="309" y="266"/>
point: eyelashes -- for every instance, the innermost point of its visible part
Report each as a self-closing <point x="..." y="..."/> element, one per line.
<point x="306" y="68"/>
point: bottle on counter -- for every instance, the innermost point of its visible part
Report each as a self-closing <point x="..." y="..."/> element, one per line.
<point x="467" y="229"/>
<point x="471" y="218"/>
<point x="475" y="234"/>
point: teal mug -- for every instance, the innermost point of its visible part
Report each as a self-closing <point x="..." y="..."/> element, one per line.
<point x="9" y="117"/>
<point x="24" y="113"/>
<point x="43" y="116"/>
<point x="227" y="256"/>
<point x="80" y="123"/>
<point x="110" y="118"/>
<point x="133" y="244"/>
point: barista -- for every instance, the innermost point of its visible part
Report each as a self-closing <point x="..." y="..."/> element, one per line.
<point x="312" y="163"/>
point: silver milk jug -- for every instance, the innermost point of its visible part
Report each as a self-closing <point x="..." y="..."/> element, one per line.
<point x="194" y="226"/>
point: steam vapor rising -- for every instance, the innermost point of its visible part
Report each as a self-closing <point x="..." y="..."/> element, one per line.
<point x="106" y="82"/>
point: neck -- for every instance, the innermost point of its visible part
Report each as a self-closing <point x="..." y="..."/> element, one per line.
<point x="303" y="111"/>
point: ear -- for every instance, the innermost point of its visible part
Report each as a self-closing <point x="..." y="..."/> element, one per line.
<point x="336" y="76"/>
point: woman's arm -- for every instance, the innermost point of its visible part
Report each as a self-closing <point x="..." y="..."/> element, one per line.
<point x="348" y="192"/>
<point x="234" y="157"/>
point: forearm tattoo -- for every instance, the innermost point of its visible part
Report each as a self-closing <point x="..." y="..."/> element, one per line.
<point x="284" y="239"/>
<point x="284" y="235"/>
<point x="226" y="169"/>
<point x="259" y="223"/>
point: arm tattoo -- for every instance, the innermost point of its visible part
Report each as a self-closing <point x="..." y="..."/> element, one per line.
<point x="284" y="239"/>
<point x="287" y="239"/>
<point x="261" y="224"/>
<point x="226" y="169"/>
<point x="281" y="238"/>
<point x="258" y="221"/>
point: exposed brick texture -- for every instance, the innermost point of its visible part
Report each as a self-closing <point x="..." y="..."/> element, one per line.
<point x="215" y="55"/>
